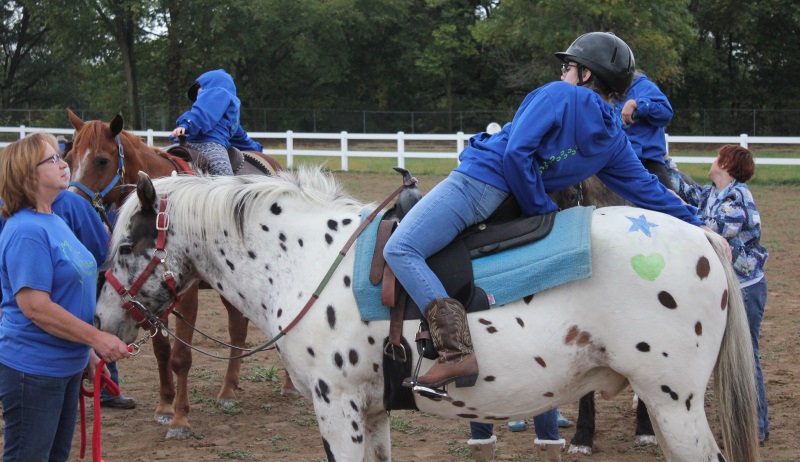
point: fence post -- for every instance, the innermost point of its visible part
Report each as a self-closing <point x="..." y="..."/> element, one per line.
<point x="150" y="137"/>
<point x="289" y="149"/>
<point x="401" y="150"/>
<point x="666" y="141"/>
<point x="743" y="140"/>
<point x="459" y="144"/>
<point x="21" y="131"/>
<point x="344" y="152"/>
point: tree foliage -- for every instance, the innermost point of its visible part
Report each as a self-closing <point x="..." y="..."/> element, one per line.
<point x="104" y="56"/>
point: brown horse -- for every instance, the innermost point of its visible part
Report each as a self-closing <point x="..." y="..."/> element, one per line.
<point x="105" y="161"/>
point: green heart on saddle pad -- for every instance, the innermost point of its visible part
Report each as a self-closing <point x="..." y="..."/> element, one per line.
<point x="648" y="267"/>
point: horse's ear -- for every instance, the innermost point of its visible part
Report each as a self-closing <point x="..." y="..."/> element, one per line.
<point x="76" y="121"/>
<point x="116" y="125"/>
<point x="145" y="191"/>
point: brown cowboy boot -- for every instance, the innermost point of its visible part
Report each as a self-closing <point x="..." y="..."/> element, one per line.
<point x="450" y="335"/>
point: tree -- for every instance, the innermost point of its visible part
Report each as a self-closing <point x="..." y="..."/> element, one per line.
<point x="525" y="34"/>
<point x="32" y="62"/>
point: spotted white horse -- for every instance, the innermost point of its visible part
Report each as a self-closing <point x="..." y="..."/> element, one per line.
<point x="661" y="311"/>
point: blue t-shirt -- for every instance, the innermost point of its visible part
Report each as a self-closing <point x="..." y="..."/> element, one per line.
<point x="84" y="222"/>
<point x="561" y="135"/>
<point x="39" y="251"/>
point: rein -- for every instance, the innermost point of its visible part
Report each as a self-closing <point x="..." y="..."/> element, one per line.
<point x="144" y="317"/>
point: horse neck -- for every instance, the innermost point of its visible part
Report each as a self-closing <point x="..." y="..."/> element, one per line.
<point x="148" y="160"/>
<point x="273" y="270"/>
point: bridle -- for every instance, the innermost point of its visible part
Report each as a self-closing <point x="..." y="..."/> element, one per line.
<point x="144" y="318"/>
<point x="97" y="197"/>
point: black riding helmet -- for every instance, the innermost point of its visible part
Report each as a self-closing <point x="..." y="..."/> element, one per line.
<point x="606" y="55"/>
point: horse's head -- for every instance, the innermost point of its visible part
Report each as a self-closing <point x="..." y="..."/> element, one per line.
<point x="97" y="158"/>
<point x="140" y="281"/>
<point x="567" y="197"/>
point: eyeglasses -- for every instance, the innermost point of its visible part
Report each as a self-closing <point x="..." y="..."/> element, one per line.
<point x="54" y="159"/>
<point x="566" y="66"/>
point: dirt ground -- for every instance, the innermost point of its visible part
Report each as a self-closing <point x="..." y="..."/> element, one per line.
<point x="267" y="426"/>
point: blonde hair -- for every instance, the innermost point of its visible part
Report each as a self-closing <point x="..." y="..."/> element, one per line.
<point x="19" y="182"/>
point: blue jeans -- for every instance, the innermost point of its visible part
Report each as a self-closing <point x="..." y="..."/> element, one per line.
<point x="39" y="414"/>
<point x="112" y="369"/>
<point x="545" y="425"/>
<point x="755" y="299"/>
<point x="448" y="209"/>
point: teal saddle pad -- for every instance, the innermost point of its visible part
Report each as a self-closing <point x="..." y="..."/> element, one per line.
<point x="563" y="256"/>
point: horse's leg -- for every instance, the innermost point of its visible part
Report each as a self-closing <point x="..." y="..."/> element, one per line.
<point x="377" y="438"/>
<point x="644" y="429"/>
<point x="584" y="428"/>
<point x="342" y="422"/>
<point x="237" y="329"/>
<point x="682" y="427"/>
<point x="659" y="437"/>
<point x="181" y="362"/>
<point x="166" y="392"/>
<point x="287" y="387"/>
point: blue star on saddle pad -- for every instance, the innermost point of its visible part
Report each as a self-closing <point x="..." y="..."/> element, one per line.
<point x="563" y="256"/>
<point x="641" y="224"/>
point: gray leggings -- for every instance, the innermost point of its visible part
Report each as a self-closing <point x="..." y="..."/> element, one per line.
<point x="218" y="161"/>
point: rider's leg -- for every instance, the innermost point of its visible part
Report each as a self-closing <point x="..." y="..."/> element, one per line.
<point x="217" y="156"/>
<point x="453" y="205"/>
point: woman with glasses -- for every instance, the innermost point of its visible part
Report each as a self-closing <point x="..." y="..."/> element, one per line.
<point x="563" y="133"/>
<point x="48" y="281"/>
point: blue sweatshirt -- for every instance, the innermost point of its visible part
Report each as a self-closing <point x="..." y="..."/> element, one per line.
<point x="646" y="134"/>
<point x="561" y="135"/>
<point x="214" y="117"/>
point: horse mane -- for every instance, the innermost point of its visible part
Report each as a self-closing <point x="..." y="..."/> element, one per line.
<point x="201" y="202"/>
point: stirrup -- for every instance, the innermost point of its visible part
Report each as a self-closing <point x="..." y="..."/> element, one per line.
<point x="430" y="392"/>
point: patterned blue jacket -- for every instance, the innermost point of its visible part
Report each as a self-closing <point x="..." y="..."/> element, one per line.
<point x="732" y="213"/>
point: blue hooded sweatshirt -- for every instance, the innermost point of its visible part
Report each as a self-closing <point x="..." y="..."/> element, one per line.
<point x="214" y="117"/>
<point x="646" y="134"/>
<point x="561" y="135"/>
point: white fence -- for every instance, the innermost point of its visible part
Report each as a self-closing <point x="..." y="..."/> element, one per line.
<point x="401" y="153"/>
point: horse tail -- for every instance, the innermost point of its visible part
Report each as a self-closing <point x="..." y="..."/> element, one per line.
<point x="734" y="374"/>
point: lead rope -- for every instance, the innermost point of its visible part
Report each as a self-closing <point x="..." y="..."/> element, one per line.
<point x="100" y="381"/>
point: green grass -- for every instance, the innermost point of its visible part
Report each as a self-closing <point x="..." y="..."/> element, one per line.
<point x="263" y="374"/>
<point x="765" y="174"/>
<point x="405" y="425"/>
<point x="375" y="164"/>
<point x="238" y="454"/>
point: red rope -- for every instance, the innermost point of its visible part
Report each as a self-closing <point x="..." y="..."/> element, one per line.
<point x="100" y="381"/>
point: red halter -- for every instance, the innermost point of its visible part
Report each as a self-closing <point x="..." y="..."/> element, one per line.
<point x="142" y="316"/>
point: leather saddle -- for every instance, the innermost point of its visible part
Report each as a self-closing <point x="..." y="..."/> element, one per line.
<point x="504" y="229"/>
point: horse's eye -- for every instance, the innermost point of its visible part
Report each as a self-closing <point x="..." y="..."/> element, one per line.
<point x="125" y="249"/>
<point x="102" y="162"/>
